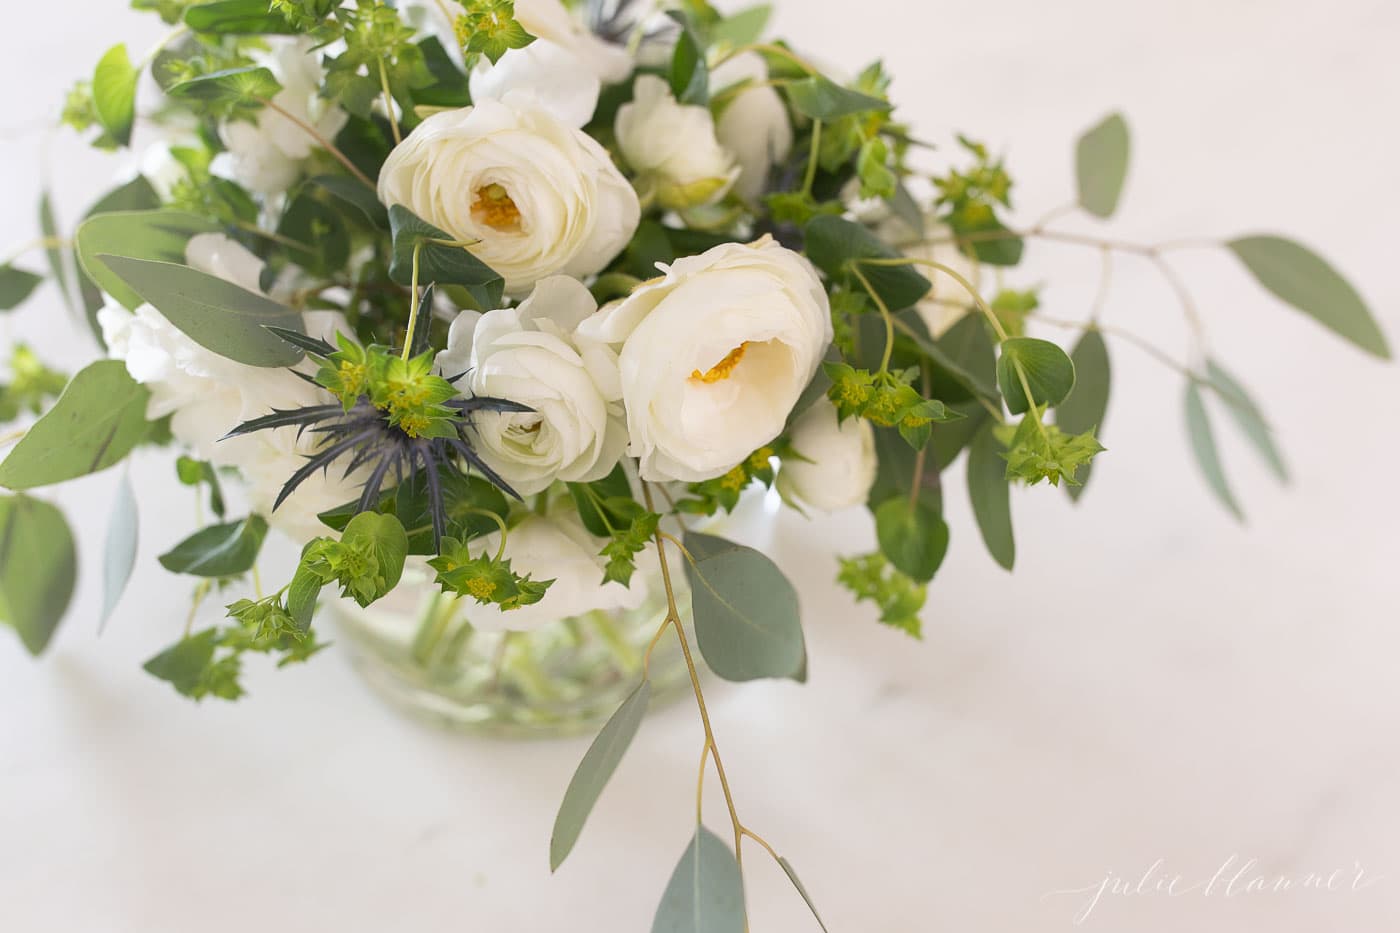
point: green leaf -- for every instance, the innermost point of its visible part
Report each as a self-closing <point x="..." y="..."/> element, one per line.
<point x="797" y="883"/>
<point x="16" y="285"/>
<point x="1086" y="406"/>
<point x="1048" y="370"/>
<point x="141" y="234"/>
<point x="914" y="538"/>
<point x="590" y="496"/>
<point x="746" y="617"/>
<point x="706" y="891"/>
<point x="1304" y="280"/>
<point x="120" y="556"/>
<point x="833" y="242"/>
<point x="990" y="492"/>
<point x="1247" y="415"/>
<point x="964" y="356"/>
<point x="223" y="550"/>
<point x="445" y="265"/>
<point x="594" y="772"/>
<point x="320" y="229"/>
<point x="353" y="192"/>
<point x="215" y="314"/>
<point x="233" y="86"/>
<point x="96" y="422"/>
<point x="58" y="266"/>
<point x="237" y="17"/>
<point x="192" y="472"/>
<point x="823" y="99"/>
<point x="38" y="565"/>
<point x="978" y="227"/>
<point x="1203" y="446"/>
<point x="690" y="76"/>
<point x="184" y="663"/>
<point x="449" y="87"/>
<point x="303" y="592"/>
<point x="1101" y="165"/>
<point x="742" y="28"/>
<point x="385" y="537"/>
<point x="114" y="94"/>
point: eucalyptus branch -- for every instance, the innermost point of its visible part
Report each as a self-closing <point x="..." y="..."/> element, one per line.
<point x="320" y="139"/>
<point x="1127" y="336"/>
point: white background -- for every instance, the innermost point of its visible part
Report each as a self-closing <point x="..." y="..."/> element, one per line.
<point x="1154" y="682"/>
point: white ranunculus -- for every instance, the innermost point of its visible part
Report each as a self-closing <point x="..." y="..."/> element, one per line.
<point x="839" y="465"/>
<point x="526" y="354"/>
<point x="538" y="197"/>
<point x="265" y="154"/>
<point x="558" y="547"/>
<point x="713" y="356"/>
<point x="566" y="65"/>
<point x="207" y="394"/>
<point x="754" y="126"/>
<point x="672" y="147"/>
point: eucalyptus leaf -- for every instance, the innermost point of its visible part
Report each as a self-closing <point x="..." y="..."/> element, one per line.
<point x="141" y="234"/>
<point x="746" y="613"/>
<point x="1101" y="165"/>
<point x="743" y="27"/>
<point x="114" y="94"/>
<point x="797" y="883"/>
<point x="990" y="492"/>
<point x="987" y="239"/>
<point x="120" y="556"/>
<point x="964" y="356"/>
<point x="16" y="285"/>
<point x="223" y="550"/>
<point x="594" y="772"/>
<point x="55" y="253"/>
<point x="353" y="192"/>
<point x="823" y="99"/>
<point x="38" y="566"/>
<point x="215" y="314"/>
<point x="833" y="243"/>
<point x="1306" y="281"/>
<point x="237" y="17"/>
<point x="1047" y="368"/>
<point x="1203" y="446"/>
<point x="98" y="419"/>
<point x="1086" y="406"/>
<point x="706" y="891"/>
<point x="913" y="536"/>
<point x="1247" y="415"/>
<point x="445" y="265"/>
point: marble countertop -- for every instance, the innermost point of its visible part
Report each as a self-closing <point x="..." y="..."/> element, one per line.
<point x="1160" y="704"/>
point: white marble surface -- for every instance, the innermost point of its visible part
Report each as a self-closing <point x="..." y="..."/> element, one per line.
<point x="1155" y="682"/>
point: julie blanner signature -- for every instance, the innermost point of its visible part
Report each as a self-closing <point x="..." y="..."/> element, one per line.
<point x="1235" y="878"/>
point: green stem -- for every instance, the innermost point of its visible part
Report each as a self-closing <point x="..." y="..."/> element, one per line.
<point x="429" y="632"/>
<point x="321" y="140"/>
<point x="413" y="302"/>
<point x="389" y="103"/>
<point x="811" y="175"/>
<point x="627" y="656"/>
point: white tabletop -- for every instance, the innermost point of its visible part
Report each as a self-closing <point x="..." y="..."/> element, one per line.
<point x="1155" y="682"/>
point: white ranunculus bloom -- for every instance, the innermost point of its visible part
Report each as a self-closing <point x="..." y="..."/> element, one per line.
<point x="566" y="65"/>
<point x="840" y="463"/>
<point x="538" y="197"/>
<point x="265" y="154"/>
<point x="207" y="394"/>
<point x="672" y="147"/>
<point x="526" y="354"/>
<point x="713" y="356"/>
<point x="754" y="126"/>
<point x="558" y="547"/>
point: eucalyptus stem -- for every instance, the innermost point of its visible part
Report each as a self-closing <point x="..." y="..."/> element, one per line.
<point x="321" y="140"/>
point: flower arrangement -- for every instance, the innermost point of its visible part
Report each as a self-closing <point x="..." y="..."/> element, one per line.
<point x="486" y="286"/>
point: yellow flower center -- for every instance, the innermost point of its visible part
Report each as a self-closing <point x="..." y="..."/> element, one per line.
<point x="494" y="208"/>
<point x="480" y="587"/>
<point x="724" y="368"/>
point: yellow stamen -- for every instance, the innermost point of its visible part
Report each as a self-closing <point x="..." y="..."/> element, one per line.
<point x="724" y="368"/>
<point x="494" y="208"/>
<point x="480" y="587"/>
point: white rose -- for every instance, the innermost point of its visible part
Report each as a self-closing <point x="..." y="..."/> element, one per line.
<point x="714" y="355"/>
<point x="672" y="147"/>
<point x="754" y="125"/>
<point x="536" y="196"/>
<point x="526" y="354"/>
<point x="265" y="155"/>
<point x="839" y="465"/>
<point x="566" y="65"/>
<point x="559" y="548"/>
<point x="207" y="394"/>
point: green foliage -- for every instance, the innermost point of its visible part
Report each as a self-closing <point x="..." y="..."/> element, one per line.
<point x="366" y="562"/>
<point x="807" y="898"/>
<point x="740" y="28"/>
<point x="249" y="17"/>
<point x="486" y="578"/>
<point x="722" y="492"/>
<point x="871" y="577"/>
<point x="820" y="98"/>
<point x="113" y="95"/>
<point x="137" y="233"/>
<point x="488" y="27"/>
<point x="407" y="391"/>
<point x="31" y="384"/>
<point x="689" y="76"/>
<point x="627" y="542"/>
<point x="1247" y="416"/>
<point x="1202" y="437"/>
<point x="1038" y="451"/>
<point x="835" y="244"/>
<point x="1101" y="165"/>
<point x="594" y="772"/>
<point x="223" y="550"/>
<point x="970" y="199"/>
<point x="96" y="422"/>
<point x="192" y="472"/>
<point x="119" y="558"/>
<point x="304" y="14"/>
<point x="16" y="285"/>
<point x="232" y="92"/>
<point x="990" y="492"/>
<point x="440" y="259"/>
<point x="38" y="566"/>
<point x="886" y="399"/>
<point x="746" y="615"/>
<point x="55" y="251"/>
<point x="876" y="179"/>
<point x="706" y="890"/>
<point x="379" y="51"/>
<point x="913" y="536"/>
<point x="1012" y="307"/>
<point x="1305" y="280"/>
<point x="1041" y="366"/>
<point x="1086" y="406"/>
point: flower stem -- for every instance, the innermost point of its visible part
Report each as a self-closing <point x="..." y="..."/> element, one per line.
<point x="389" y="102"/>
<point x="321" y="140"/>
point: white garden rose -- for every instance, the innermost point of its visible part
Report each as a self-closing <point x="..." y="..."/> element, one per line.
<point x="526" y="354"/>
<point x="537" y="197"/>
<point x="712" y="357"/>
<point x="672" y="147"/>
<point x="754" y="125"/>
<point x="835" y="466"/>
<point x="558" y="548"/>
<point x="265" y="154"/>
<point x="566" y="65"/>
<point x="206" y="394"/>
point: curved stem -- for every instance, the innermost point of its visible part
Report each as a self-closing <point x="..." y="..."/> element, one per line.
<point x="771" y="49"/>
<point x="884" y="313"/>
<point x="389" y="102"/>
<point x="811" y="174"/>
<point x="321" y="140"/>
<point x="413" y="302"/>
